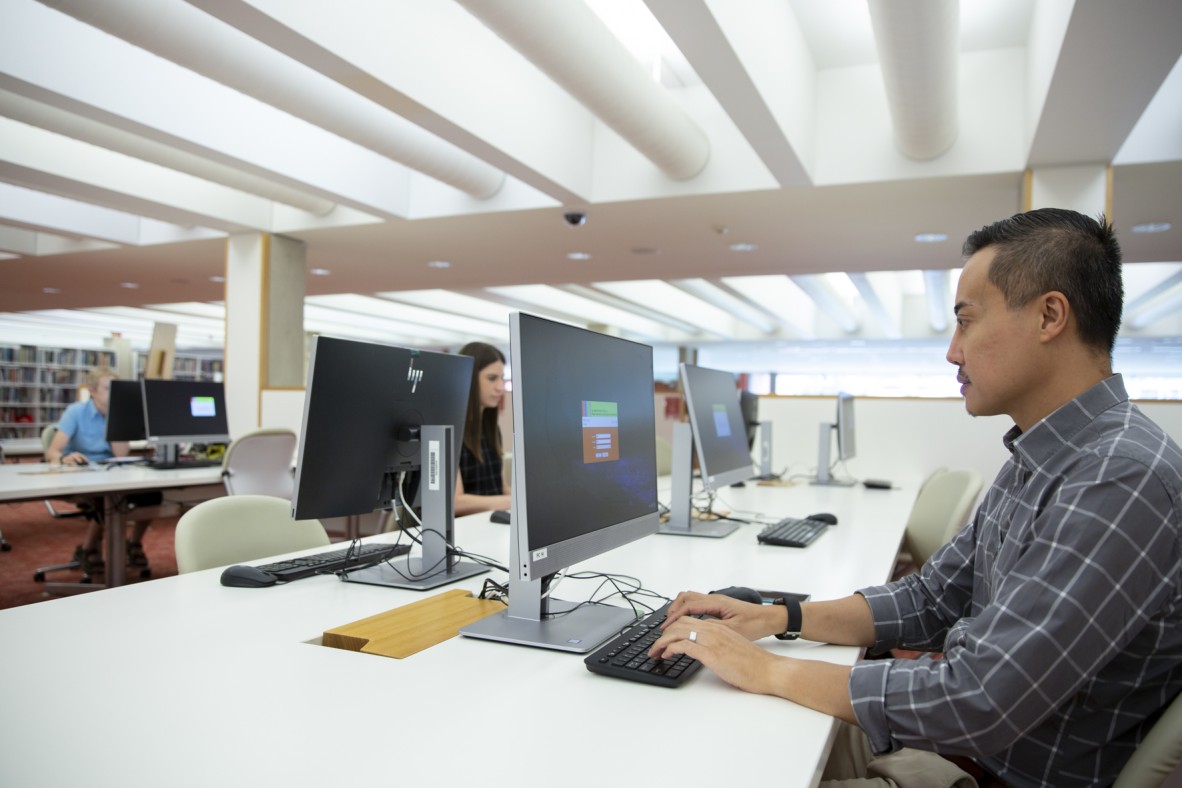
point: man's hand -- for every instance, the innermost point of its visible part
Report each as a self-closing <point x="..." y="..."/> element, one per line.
<point x="722" y="649"/>
<point x="749" y="620"/>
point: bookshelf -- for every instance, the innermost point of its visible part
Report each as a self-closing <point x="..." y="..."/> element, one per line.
<point x="38" y="383"/>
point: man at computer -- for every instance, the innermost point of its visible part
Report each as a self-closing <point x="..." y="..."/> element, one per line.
<point x="1058" y="608"/>
<point x="81" y="439"/>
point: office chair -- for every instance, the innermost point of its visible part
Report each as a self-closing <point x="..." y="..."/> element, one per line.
<point x="1160" y="752"/>
<point x="664" y="457"/>
<point x="941" y="508"/>
<point x="91" y="509"/>
<point x="239" y="528"/>
<point x="260" y="463"/>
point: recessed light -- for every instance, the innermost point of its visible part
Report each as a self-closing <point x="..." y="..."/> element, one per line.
<point x="50" y="290"/>
<point x="743" y="247"/>
<point x="218" y="279"/>
<point x="1152" y="227"/>
<point x="319" y="271"/>
<point x="931" y="238"/>
<point x="129" y="285"/>
<point x="439" y="264"/>
<point x="578" y="256"/>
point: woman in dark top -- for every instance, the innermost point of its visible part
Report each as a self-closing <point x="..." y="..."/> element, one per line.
<point x="480" y="486"/>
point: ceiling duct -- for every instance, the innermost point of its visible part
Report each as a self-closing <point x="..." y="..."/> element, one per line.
<point x="191" y="38"/>
<point x="918" y="46"/>
<point x="67" y="124"/>
<point x="575" y="48"/>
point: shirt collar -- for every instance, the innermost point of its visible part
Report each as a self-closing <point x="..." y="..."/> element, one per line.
<point x="1048" y="436"/>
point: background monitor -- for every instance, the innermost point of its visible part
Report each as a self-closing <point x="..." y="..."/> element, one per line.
<point x="843" y="426"/>
<point x="125" y="412"/>
<point x="184" y="411"/>
<point x="367" y="409"/>
<point x="584" y="475"/>
<point x="718" y="425"/>
<point x="749" y="407"/>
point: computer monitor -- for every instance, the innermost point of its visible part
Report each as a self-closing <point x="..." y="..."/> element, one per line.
<point x="749" y="407"/>
<point x="125" y="412"/>
<point x="373" y="413"/>
<point x="584" y="475"/>
<point x="183" y="411"/>
<point x="843" y="426"/>
<point x="720" y="436"/>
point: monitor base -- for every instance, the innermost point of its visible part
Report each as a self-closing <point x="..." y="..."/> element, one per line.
<point x="832" y="483"/>
<point x="711" y="529"/>
<point x="408" y="573"/>
<point x="580" y="631"/>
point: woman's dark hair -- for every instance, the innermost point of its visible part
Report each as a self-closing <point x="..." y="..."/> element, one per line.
<point x="481" y="420"/>
<point x="1053" y="249"/>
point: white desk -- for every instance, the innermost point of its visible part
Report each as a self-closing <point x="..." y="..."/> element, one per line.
<point x="36" y="481"/>
<point x="183" y="682"/>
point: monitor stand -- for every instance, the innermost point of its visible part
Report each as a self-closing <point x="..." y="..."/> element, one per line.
<point x="435" y="567"/>
<point x="680" y="522"/>
<point x="533" y="619"/>
<point x="824" y="478"/>
<point x="766" y="474"/>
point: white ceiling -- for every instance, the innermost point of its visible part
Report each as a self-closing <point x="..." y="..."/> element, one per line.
<point x="390" y="135"/>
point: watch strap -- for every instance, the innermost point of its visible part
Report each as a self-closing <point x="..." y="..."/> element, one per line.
<point x="792" y="631"/>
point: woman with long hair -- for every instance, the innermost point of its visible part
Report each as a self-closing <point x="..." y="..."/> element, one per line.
<point x="480" y="486"/>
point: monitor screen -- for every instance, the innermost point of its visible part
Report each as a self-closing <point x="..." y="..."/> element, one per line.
<point x="364" y="407"/>
<point x="125" y="412"/>
<point x="584" y="474"/>
<point x="184" y="411"/>
<point x="719" y="429"/>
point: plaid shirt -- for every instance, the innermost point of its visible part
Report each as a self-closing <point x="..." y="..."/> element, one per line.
<point x="1058" y="608"/>
<point x="481" y="477"/>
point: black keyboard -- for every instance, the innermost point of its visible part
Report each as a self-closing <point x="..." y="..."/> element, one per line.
<point x="791" y="532"/>
<point x="626" y="655"/>
<point x="162" y="465"/>
<point x="329" y="562"/>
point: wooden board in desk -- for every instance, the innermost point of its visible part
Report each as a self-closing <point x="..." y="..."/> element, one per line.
<point x="411" y="628"/>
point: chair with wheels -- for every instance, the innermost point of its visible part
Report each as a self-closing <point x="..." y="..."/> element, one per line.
<point x="238" y="528"/>
<point x="1159" y="755"/>
<point x="260" y="463"/>
<point x="91" y="510"/>
<point x="940" y="510"/>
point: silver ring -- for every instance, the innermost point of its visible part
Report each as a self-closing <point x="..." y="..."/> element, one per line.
<point x="693" y="637"/>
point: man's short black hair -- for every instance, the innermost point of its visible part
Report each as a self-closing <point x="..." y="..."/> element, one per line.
<point x="1054" y="249"/>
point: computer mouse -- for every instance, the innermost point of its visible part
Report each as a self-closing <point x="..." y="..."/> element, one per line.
<point x="243" y="576"/>
<point x="824" y="517"/>
<point x="500" y="516"/>
<point x="741" y="593"/>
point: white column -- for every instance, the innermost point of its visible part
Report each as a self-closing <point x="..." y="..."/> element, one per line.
<point x="264" y="323"/>
<point x="1086" y="188"/>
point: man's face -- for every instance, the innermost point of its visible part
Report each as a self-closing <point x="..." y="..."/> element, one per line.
<point x="100" y="394"/>
<point x="994" y="346"/>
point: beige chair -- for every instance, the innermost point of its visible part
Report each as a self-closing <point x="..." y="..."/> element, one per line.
<point x="260" y="463"/>
<point x="943" y="506"/>
<point x="241" y="528"/>
<point x="1159" y="755"/>
<point x="664" y="457"/>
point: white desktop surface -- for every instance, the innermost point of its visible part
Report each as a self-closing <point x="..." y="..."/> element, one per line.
<point x="31" y="481"/>
<point x="182" y="682"/>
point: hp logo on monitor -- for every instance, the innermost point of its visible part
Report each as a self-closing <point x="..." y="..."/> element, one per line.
<point x="414" y="376"/>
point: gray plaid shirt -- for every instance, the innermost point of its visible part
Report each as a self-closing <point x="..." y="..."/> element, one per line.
<point x="1058" y="608"/>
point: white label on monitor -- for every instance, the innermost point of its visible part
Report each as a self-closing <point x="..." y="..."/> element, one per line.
<point x="432" y="465"/>
<point x="539" y="554"/>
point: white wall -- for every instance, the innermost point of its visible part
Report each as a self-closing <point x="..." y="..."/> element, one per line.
<point x="906" y="439"/>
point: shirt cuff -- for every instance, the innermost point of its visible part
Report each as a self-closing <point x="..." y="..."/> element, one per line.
<point x="868" y="685"/>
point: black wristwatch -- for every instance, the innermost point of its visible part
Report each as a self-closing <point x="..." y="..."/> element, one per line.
<point x="793" y="608"/>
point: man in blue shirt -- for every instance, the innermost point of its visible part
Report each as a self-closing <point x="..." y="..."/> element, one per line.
<point x="1058" y="609"/>
<point x="81" y="439"/>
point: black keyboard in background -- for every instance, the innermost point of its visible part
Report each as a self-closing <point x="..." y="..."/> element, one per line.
<point x="791" y="532"/>
<point x="179" y="464"/>
<point x="626" y="655"/>
<point x="329" y="562"/>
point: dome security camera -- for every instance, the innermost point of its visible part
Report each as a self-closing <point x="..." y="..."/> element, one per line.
<point x="574" y="218"/>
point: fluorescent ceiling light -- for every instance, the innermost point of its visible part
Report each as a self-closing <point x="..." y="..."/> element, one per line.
<point x="552" y="301"/>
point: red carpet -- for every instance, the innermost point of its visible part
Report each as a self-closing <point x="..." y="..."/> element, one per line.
<point x="37" y="540"/>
